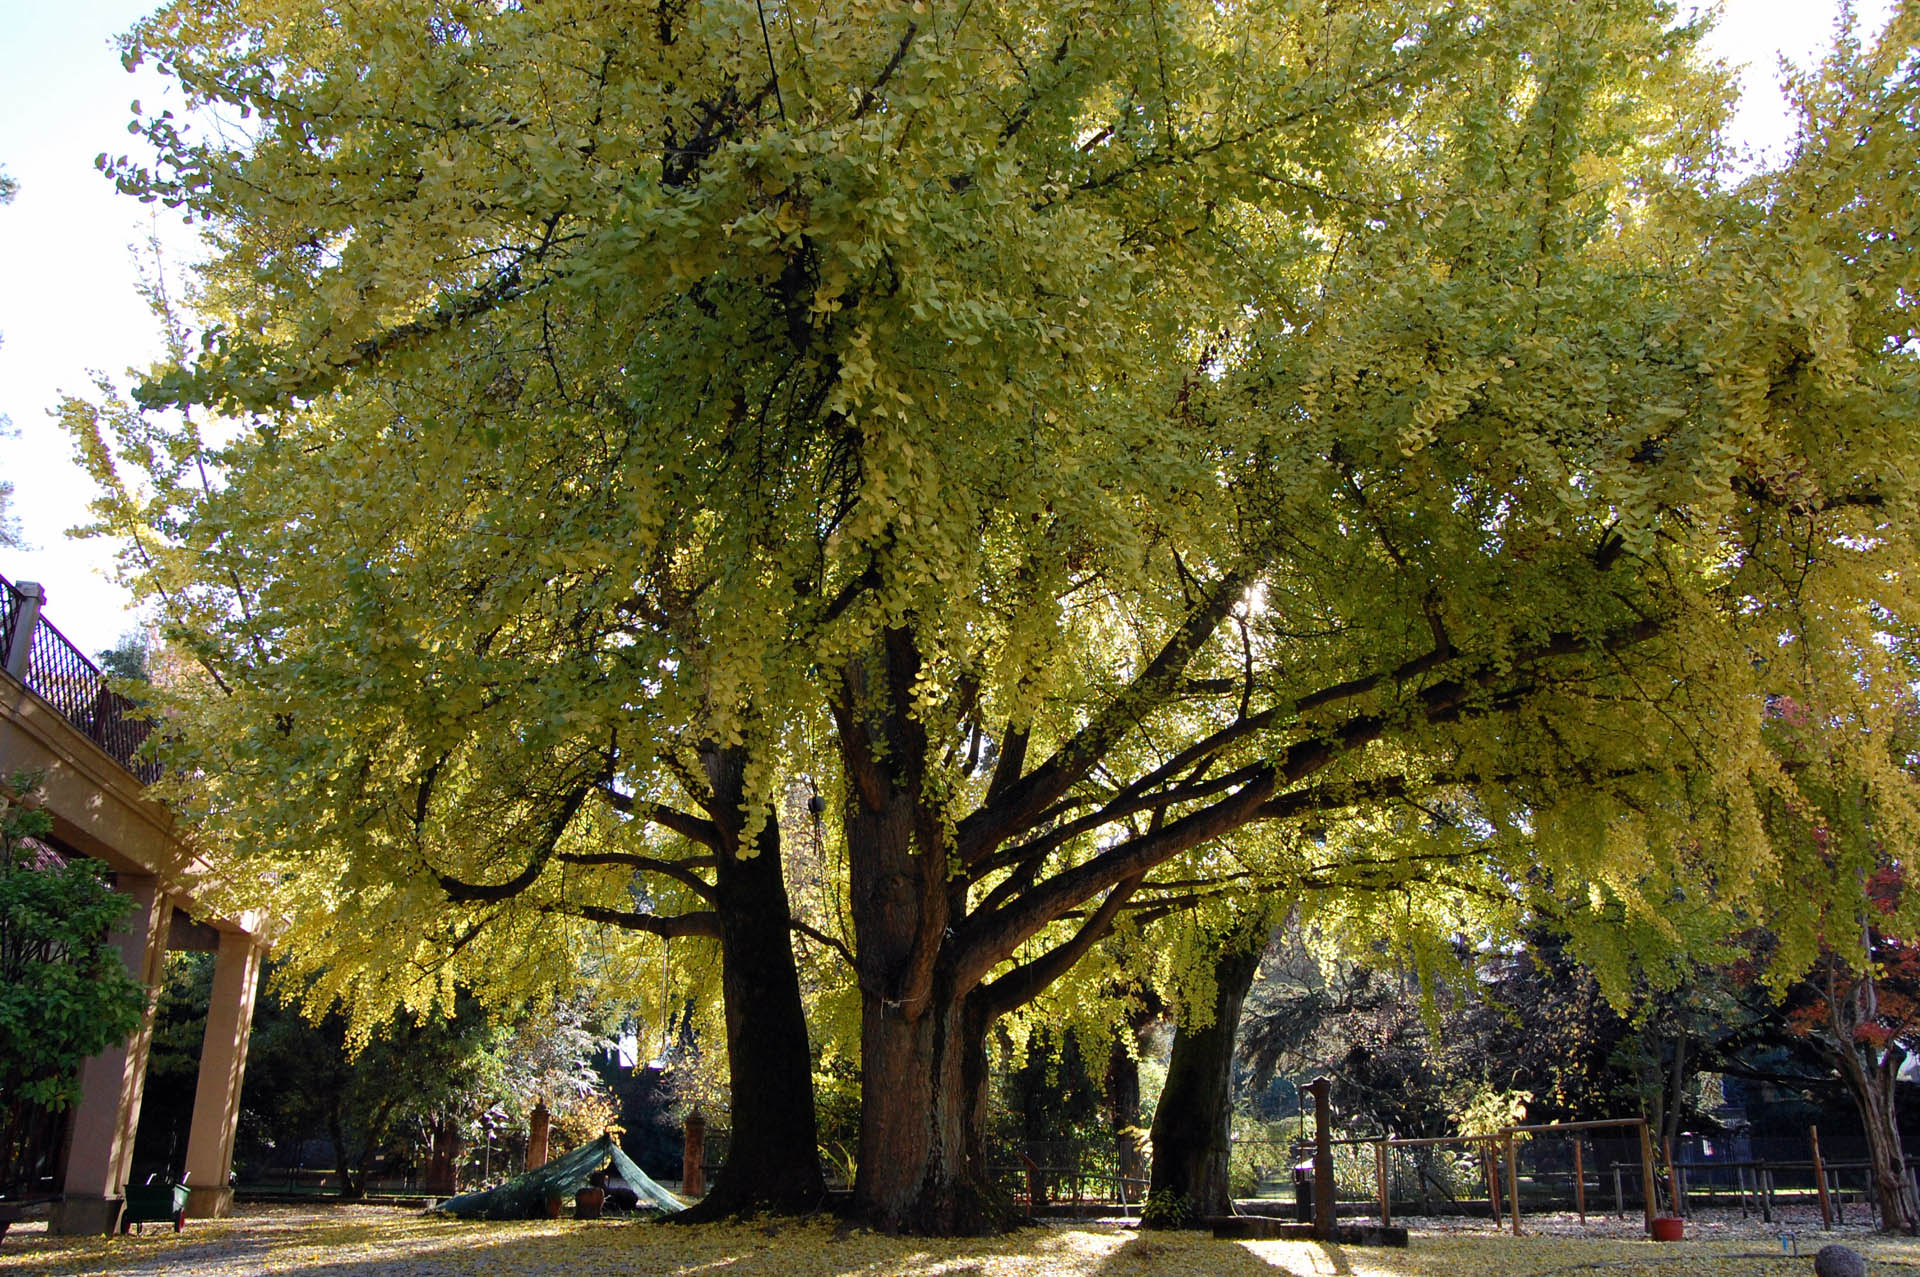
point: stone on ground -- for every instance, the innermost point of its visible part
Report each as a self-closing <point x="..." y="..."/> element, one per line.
<point x="1838" y="1261"/>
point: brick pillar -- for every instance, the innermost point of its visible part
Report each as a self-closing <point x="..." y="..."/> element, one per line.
<point x="100" y="1136"/>
<point x="693" y="1156"/>
<point x="539" y="1129"/>
<point x="223" y="1064"/>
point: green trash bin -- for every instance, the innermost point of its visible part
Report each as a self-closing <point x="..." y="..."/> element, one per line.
<point x="161" y="1203"/>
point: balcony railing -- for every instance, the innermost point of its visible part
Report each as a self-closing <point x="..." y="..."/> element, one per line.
<point x="33" y="651"/>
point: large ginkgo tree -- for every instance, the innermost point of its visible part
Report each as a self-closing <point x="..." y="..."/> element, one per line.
<point x="1056" y="435"/>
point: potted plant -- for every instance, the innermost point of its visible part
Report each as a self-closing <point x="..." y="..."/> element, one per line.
<point x="588" y="1202"/>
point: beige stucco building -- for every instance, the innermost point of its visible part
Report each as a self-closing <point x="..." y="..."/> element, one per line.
<point x="59" y="721"/>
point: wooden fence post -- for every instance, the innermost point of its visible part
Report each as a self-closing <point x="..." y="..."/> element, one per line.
<point x="1579" y="1181"/>
<point x="539" y="1131"/>
<point x="1383" y="1173"/>
<point x="1513" y="1179"/>
<point x="1646" y="1173"/>
<point x="1492" y="1166"/>
<point x="1673" y="1180"/>
<point x="1820" y="1178"/>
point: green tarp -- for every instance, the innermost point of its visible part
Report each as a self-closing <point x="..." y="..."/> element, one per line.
<point x="524" y="1196"/>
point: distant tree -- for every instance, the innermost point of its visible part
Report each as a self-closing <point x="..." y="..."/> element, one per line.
<point x="1193" y="1121"/>
<point x="130" y="659"/>
<point x="1858" y="1008"/>
<point x="65" y="994"/>
<point x="1843" y="807"/>
<point x="415" y="1090"/>
<point x="9" y="526"/>
<point x="1407" y="1053"/>
<point x="173" y="1065"/>
<point x="1364" y="1029"/>
<point x="550" y="1057"/>
<point x="1051" y="1100"/>
<point x="415" y="1079"/>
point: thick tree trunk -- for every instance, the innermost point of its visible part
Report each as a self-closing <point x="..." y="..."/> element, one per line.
<point x="1192" y="1126"/>
<point x="773" y="1157"/>
<point x="923" y="1052"/>
<point x="924" y="964"/>
<point x="1872" y="1082"/>
<point x="443" y="1163"/>
<point x="923" y="1121"/>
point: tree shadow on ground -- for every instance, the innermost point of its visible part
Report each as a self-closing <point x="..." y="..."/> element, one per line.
<point x="366" y="1243"/>
<point x="1195" y="1252"/>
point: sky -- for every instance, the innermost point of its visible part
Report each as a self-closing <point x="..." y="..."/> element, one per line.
<point x="70" y="304"/>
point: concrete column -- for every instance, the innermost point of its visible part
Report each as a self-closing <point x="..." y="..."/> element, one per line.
<point x="100" y="1136"/>
<point x="30" y="596"/>
<point x="1325" y="1220"/>
<point x="223" y="1063"/>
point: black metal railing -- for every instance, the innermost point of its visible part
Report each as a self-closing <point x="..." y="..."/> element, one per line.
<point x="61" y="675"/>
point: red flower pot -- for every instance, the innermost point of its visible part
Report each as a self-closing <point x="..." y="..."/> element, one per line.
<point x="1668" y="1229"/>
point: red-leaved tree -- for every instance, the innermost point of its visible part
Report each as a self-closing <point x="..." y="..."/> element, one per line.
<point x="1859" y="1010"/>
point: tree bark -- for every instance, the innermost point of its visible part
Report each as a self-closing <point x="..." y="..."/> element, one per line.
<point x="1677" y="1075"/>
<point x="922" y="1123"/>
<point x="930" y="972"/>
<point x="1871" y="1075"/>
<point x="443" y="1163"/>
<point x="1192" y="1126"/>
<point x="773" y="1157"/>
<point x="923" y="1051"/>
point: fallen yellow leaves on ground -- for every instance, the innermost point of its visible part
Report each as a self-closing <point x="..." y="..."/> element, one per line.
<point x="366" y="1240"/>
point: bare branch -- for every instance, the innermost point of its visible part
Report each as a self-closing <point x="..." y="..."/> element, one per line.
<point x="464" y="892"/>
<point x="681" y="871"/>
<point x="821" y="938"/>
<point x="698" y="828"/>
<point x="704" y="924"/>
<point x="869" y="95"/>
